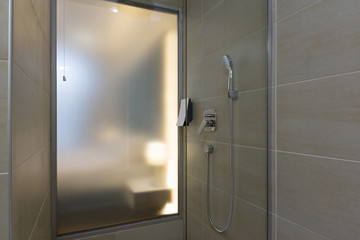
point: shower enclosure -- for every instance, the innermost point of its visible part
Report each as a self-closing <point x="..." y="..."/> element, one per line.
<point x="119" y="160"/>
<point x="117" y="85"/>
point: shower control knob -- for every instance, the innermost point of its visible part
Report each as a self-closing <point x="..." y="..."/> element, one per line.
<point x="208" y="148"/>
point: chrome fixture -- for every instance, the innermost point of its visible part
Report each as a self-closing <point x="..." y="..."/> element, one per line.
<point x="208" y="123"/>
<point x="232" y="94"/>
<point x="228" y="64"/>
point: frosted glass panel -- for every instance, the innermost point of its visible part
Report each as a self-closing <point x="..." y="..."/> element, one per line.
<point x="117" y="99"/>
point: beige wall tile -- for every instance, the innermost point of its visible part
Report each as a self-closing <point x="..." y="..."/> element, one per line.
<point x="287" y="230"/>
<point x="320" y="41"/>
<point x="194" y="43"/>
<point x="285" y="7"/>
<point x="4" y="26"/>
<point x="249" y="119"/>
<point x="208" y="5"/>
<point x="164" y="231"/>
<point x="42" y="229"/>
<point x="248" y="222"/>
<point x="195" y="159"/>
<point x="193" y="11"/>
<point x="250" y="175"/>
<point x="4" y="130"/>
<point x="27" y="117"/>
<point x="194" y="228"/>
<point x="210" y="234"/>
<point x="320" y="194"/>
<point x="194" y="197"/>
<point x="28" y="42"/>
<point x="111" y="236"/>
<point x="320" y="117"/>
<point x="4" y="207"/>
<point x="229" y="22"/>
<point x="195" y="82"/>
<point x="29" y="190"/>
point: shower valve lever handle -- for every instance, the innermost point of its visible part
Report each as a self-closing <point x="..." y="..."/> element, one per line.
<point x="208" y="123"/>
<point x="201" y="127"/>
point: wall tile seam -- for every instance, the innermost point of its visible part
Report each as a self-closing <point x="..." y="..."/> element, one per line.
<point x="192" y="25"/>
<point x="302" y="227"/>
<point x="33" y="154"/>
<point x="318" y="78"/>
<point x="37" y="20"/>
<point x="320" y="156"/>
<point x="29" y="78"/>
<point x="39" y="213"/>
<point x="211" y="9"/>
<point x="297" y="11"/>
<point x="238" y="198"/>
<point x="227" y="144"/>
<point x="4" y="173"/>
<point x="193" y="216"/>
<point x="197" y="61"/>
<point x="226" y="96"/>
<point x="4" y="60"/>
<point x="196" y="178"/>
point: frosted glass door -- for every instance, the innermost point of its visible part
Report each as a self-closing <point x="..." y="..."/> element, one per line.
<point x="117" y="101"/>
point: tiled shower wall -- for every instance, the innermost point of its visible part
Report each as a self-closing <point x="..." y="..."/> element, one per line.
<point x="316" y="120"/>
<point x="4" y="127"/>
<point x="236" y="28"/>
<point x="30" y="107"/>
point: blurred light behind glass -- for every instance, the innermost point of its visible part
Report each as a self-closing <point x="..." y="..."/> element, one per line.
<point x="116" y="114"/>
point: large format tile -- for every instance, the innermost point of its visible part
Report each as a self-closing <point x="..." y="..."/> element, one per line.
<point x="193" y="11"/>
<point x="229" y="22"/>
<point x="164" y="231"/>
<point x="248" y="221"/>
<point x="320" y="194"/>
<point x="4" y="29"/>
<point x="42" y="228"/>
<point x="310" y="46"/>
<point x="28" y="198"/>
<point x="285" y="7"/>
<point x="320" y="117"/>
<point x="249" y="68"/>
<point x="111" y="236"/>
<point x="194" y="43"/>
<point x="4" y="206"/>
<point x="194" y="197"/>
<point x="249" y="119"/>
<point x="250" y="175"/>
<point x="208" y="5"/>
<point x="27" y="117"/>
<point x="194" y="228"/>
<point x="195" y="159"/>
<point x="4" y="129"/>
<point x="287" y="230"/>
<point x="28" y="42"/>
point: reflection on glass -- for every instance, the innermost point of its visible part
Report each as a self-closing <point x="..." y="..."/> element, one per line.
<point x="116" y="113"/>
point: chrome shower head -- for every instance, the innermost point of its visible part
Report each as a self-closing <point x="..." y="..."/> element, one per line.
<point x="228" y="63"/>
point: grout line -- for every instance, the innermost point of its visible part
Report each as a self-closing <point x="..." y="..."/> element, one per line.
<point x="37" y="19"/>
<point x="211" y="9"/>
<point x="320" y="78"/>
<point x="27" y="76"/>
<point x="318" y="234"/>
<point x="319" y="156"/>
<point x="225" y="47"/>
<point x="41" y="209"/>
<point x="33" y="154"/>
<point x="221" y="96"/>
<point x="4" y="60"/>
<point x="223" y="143"/>
<point x="297" y="11"/>
<point x="4" y="173"/>
<point x="237" y="197"/>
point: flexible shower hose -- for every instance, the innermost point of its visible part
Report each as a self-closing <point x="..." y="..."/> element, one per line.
<point x="227" y="226"/>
